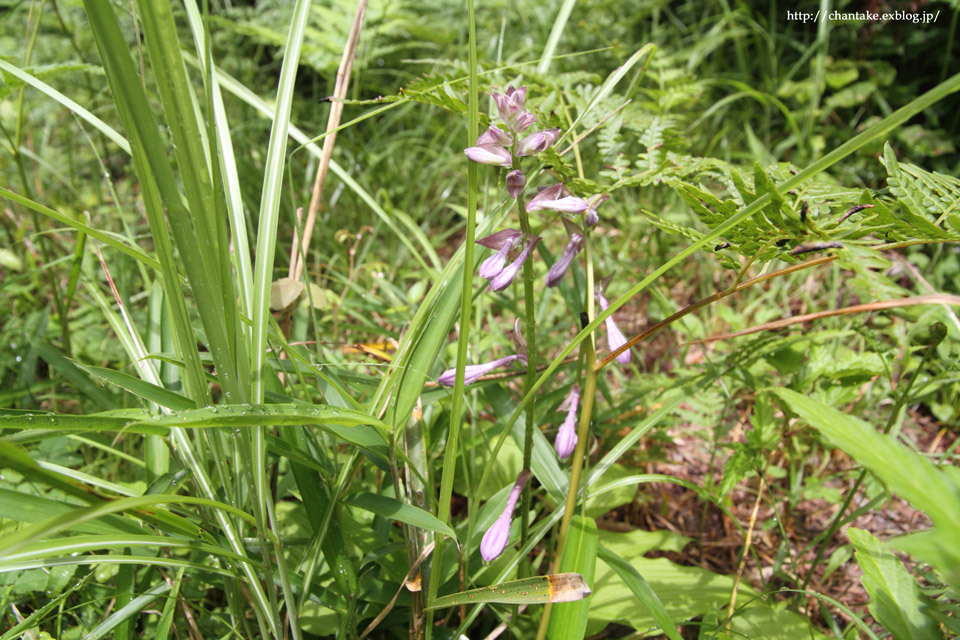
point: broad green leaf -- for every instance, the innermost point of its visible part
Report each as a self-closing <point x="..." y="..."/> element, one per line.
<point x="641" y="589"/>
<point x="903" y="470"/>
<point x="395" y="510"/>
<point x="558" y="587"/>
<point x="568" y="621"/>
<point x="896" y="600"/>
<point x="913" y="477"/>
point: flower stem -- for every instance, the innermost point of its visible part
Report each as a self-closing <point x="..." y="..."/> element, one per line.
<point x="530" y="335"/>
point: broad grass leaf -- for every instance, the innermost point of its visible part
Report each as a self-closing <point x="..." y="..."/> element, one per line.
<point x="896" y="600"/>
<point x="568" y="621"/>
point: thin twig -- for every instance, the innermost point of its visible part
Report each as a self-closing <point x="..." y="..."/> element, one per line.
<point x="746" y="550"/>
<point x="938" y="298"/>
<point x="299" y="249"/>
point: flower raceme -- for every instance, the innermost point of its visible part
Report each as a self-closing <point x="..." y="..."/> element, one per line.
<point x="495" y="539"/>
<point x="615" y="338"/>
<point x="473" y="372"/>
<point x="566" y="440"/>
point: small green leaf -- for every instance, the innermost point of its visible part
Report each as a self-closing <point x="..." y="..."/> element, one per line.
<point x="559" y="587"/>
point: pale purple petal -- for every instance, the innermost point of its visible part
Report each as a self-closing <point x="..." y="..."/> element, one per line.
<point x="493" y="265"/>
<point x="537" y="142"/>
<point x="489" y="154"/>
<point x="522" y="121"/>
<point x="559" y="268"/>
<point x="495" y="539"/>
<point x="568" y="204"/>
<point x="473" y="372"/>
<point x="500" y="238"/>
<point x="494" y="136"/>
<point x="615" y="338"/>
<point x="516" y="181"/>
<point x="510" y="103"/>
<point x="567" y="435"/>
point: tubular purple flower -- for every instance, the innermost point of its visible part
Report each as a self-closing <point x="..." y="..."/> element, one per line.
<point x="489" y="154"/>
<point x="550" y="198"/>
<point x="495" y="539"/>
<point x="615" y="338"/>
<point x="522" y="121"/>
<point x="473" y="372"/>
<point x="492" y="266"/>
<point x="559" y="268"/>
<point x="503" y="279"/>
<point x="566" y="440"/>
<point x="516" y="181"/>
<point x="494" y="136"/>
<point x="504" y="242"/>
<point x="537" y="142"/>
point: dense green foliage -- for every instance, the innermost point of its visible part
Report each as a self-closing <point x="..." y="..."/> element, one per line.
<point x="195" y="443"/>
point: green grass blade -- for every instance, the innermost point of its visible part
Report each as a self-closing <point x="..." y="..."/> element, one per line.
<point x="401" y="512"/>
<point x="556" y="32"/>
<point x="134" y="252"/>
<point x="126" y="612"/>
<point x="270" y="202"/>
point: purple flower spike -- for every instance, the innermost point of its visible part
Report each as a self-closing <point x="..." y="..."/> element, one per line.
<point x="559" y="268"/>
<point x="567" y="436"/>
<point x="473" y="372"/>
<point x="496" y="538"/>
<point x="550" y="198"/>
<point x="503" y="279"/>
<point x="494" y="136"/>
<point x="516" y="181"/>
<point x="489" y="154"/>
<point x="537" y="142"/>
<point x="615" y="338"/>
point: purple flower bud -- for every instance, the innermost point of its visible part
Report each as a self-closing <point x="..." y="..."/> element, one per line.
<point x="503" y="279"/>
<point x="615" y="339"/>
<point x="522" y="121"/>
<point x="473" y="372"/>
<point x="495" y="539"/>
<point x="492" y="266"/>
<point x="489" y="154"/>
<point x="537" y="142"/>
<point x="567" y="435"/>
<point x="549" y="198"/>
<point x="559" y="268"/>
<point x="494" y="136"/>
<point x="510" y="103"/>
<point x="516" y="181"/>
<point x="590" y="217"/>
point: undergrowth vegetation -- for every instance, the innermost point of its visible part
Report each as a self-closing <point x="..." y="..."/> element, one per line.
<point x="672" y="351"/>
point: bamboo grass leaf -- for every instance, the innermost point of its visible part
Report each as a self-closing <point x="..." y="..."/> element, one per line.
<point x="558" y="587"/>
